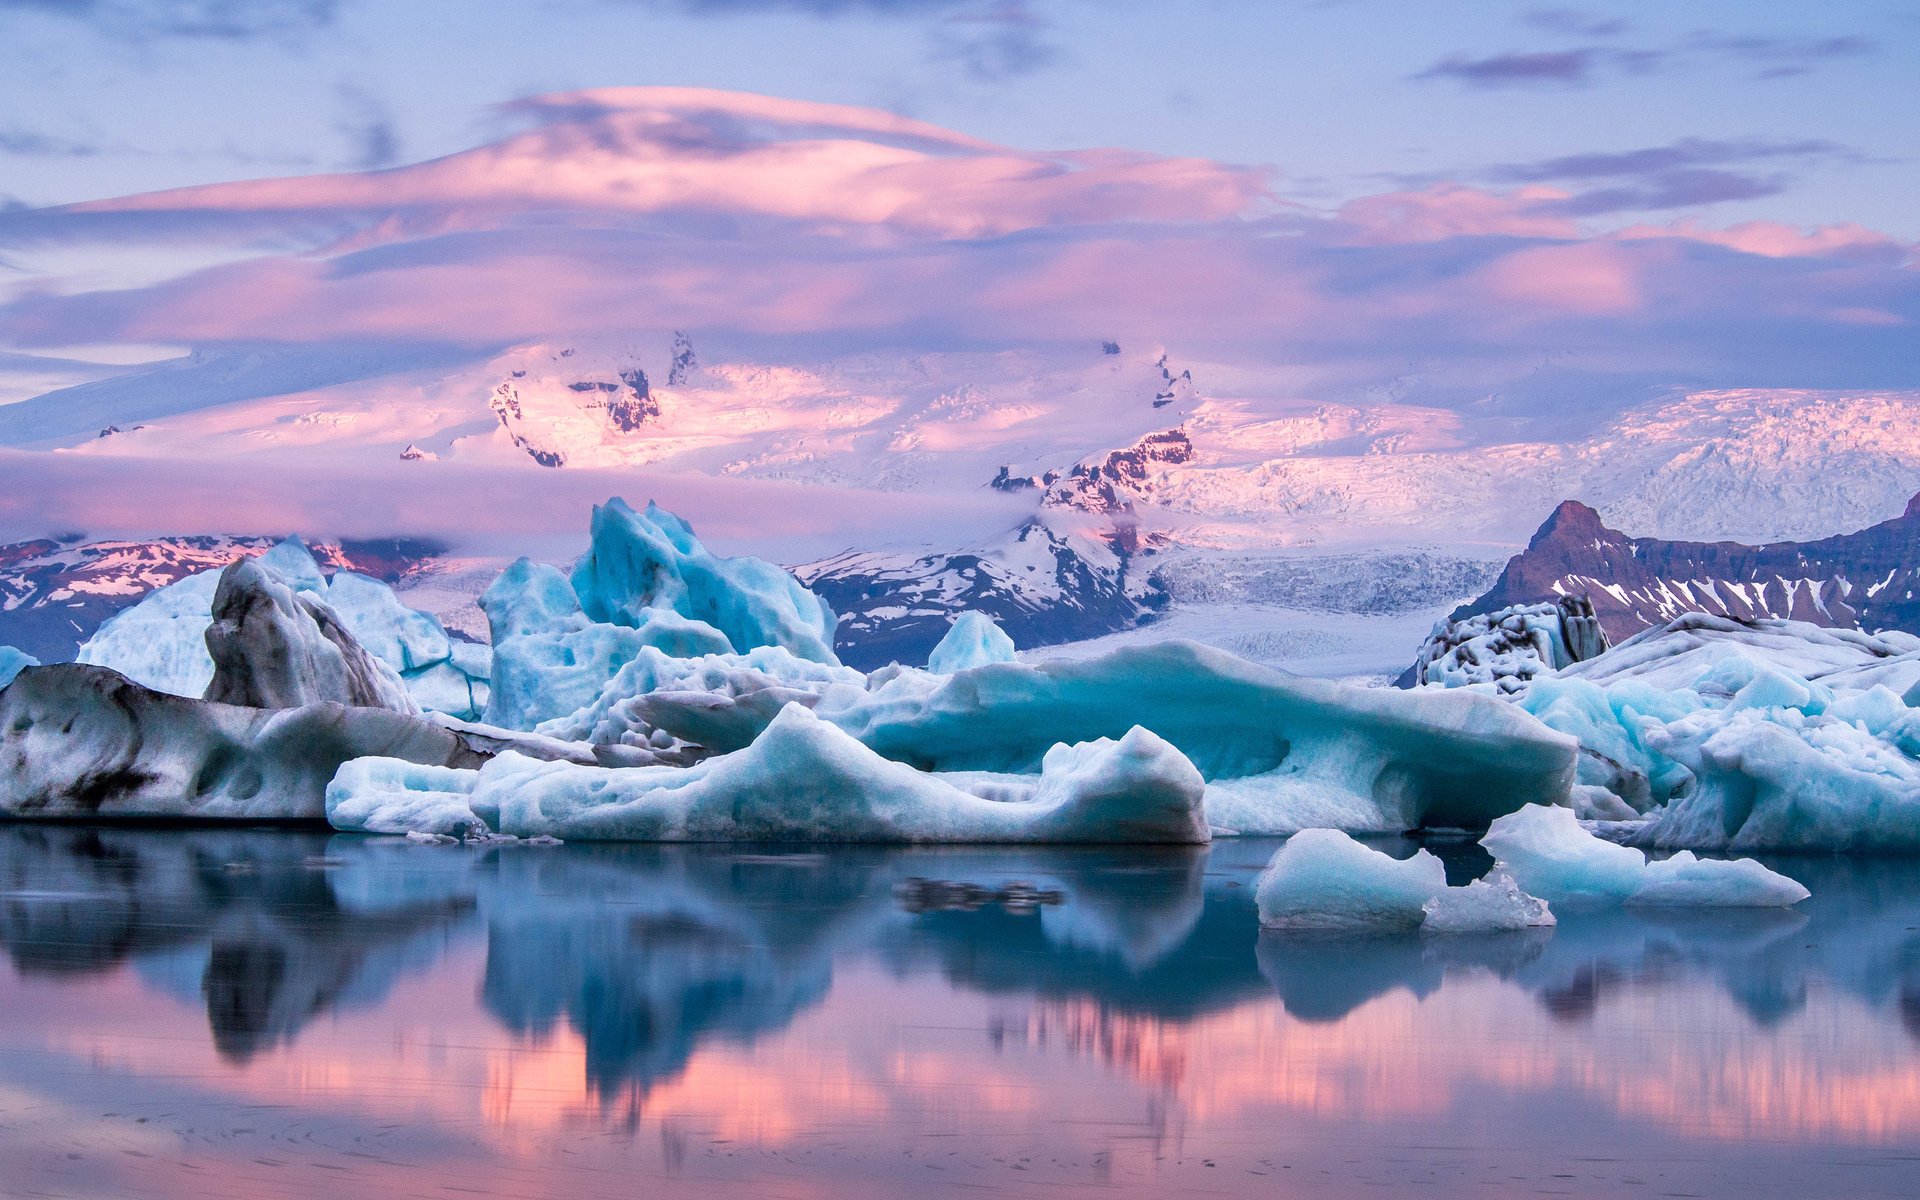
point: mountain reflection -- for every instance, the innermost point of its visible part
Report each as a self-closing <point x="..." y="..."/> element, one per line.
<point x="648" y="954"/>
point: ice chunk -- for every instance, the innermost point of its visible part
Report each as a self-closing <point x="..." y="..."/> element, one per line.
<point x="804" y="780"/>
<point x="1550" y="855"/>
<point x="550" y="661"/>
<point x="397" y="635"/>
<point x="1324" y="880"/>
<point x="160" y="642"/>
<point x="639" y="562"/>
<point x="1784" y="779"/>
<point x="293" y="564"/>
<point x="719" y="702"/>
<point x="1747" y="735"/>
<point x="973" y="641"/>
<point x="12" y="662"/>
<point x="1494" y="904"/>
<point x="390" y="795"/>
<point x="1741" y="882"/>
<point x="1689" y="648"/>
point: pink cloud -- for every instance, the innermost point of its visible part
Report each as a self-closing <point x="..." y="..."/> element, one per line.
<point x="500" y="509"/>
<point x="655" y="150"/>
<point x="1772" y="239"/>
<point x="1451" y="210"/>
<point x="1590" y="279"/>
<point x="836" y="228"/>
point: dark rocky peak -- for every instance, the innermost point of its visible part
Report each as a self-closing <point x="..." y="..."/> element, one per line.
<point x="1573" y="520"/>
<point x="628" y="412"/>
<point x="685" y="361"/>
<point x="1868" y="579"/>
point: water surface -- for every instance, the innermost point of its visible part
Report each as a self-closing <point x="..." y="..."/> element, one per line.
<point x="229" y="1013"/>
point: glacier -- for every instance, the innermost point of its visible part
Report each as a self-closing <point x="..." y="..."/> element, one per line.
<point x="800" y="780"/>
<point x="1548" y="853"/>
<point x="161" y="641"/>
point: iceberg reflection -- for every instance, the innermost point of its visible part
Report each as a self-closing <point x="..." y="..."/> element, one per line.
<point x="1114" y="1012"/>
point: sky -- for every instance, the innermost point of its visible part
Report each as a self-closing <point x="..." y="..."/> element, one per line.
<point x="1344" y="196"/>
<point x="1786" y="111"/>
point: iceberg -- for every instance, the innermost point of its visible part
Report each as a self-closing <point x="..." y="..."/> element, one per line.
<point x="1323" y="881"/>
<point x="1548" y="853"/>
<point x="1280" y="753"/>
<point x="85" y="742"/>
<point x="802" y="779"/>
<point x="645" y="582"/>
<point x="974" y="640"/>
<point x="1494" y="904"/>
<point x="161" y="641"/>
<point x="274" y="648"/>
<point x="1691" y="647"/>
<point x="12" y="662"/>
<point x="640" y="564"/>
<point x="1727" y="734"/>
<point x="636" y="647"/>
<point x="1510" y="647"/>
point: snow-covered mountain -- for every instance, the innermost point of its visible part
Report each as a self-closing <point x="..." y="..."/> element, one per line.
<point x="1042" y="587"/>
<point x="1222" y="454"/>
<point x="1868" y="580"/>
<point x="1125" y="482"/>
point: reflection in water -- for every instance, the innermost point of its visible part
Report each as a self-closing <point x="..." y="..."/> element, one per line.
<point x="1114" y="1016"/>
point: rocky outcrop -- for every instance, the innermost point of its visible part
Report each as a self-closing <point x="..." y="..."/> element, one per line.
<point x="274" y="648"/>
<point x="1868" y="580"/>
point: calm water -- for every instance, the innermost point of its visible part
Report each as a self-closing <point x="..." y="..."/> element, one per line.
<point x="207" y="1014"/>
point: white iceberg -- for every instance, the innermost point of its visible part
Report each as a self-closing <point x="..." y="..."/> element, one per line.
<point x="1691" y="647"/>
<point x="1550" y="855"/>
<point x="801" y="780"/>
<point x="161" y="641"/>
<point x="12" y="662"/>
<point x="973" y="641"/>
<point x="391" y="795"/>
<point x="1323" y="880"/>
